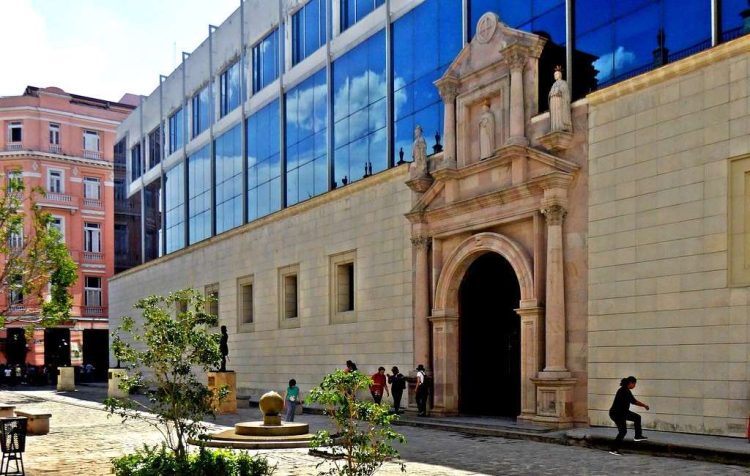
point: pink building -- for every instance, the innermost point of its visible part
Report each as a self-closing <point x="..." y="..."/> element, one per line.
<point x="63" y="143"/>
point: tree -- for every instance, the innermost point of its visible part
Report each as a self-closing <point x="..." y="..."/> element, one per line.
<point x="160" y="353"/>
<point x="363" y="428"/>
<point x="35" y="257"/>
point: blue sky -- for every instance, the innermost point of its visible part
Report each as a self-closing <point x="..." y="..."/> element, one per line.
<point x="100" y="48"/>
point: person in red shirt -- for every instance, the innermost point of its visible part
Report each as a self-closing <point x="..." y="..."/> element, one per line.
<point x="378" y="385"/>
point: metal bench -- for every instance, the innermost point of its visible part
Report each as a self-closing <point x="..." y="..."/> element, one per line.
<point x="38" y="422"/>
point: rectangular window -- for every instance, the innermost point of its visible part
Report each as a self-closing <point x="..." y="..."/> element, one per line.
<point x="289" y="296"/>
<point x="15" y="240"/>
<point x="175" y="207"/>
<point x="308" y="30"/>
<point x="54" y="134"/>
<point x="245" y="311"/>
<point x="230" y="89"/>
<point x="353" y="11"/>
<point x="121" y="239"/>
<point x="228" y="173"/>
<point x="201" y="107"/>
<point x="91" y="141"/>
<point x="266" y="61"/>
<point x="263" y="162"/>
<point x="120" y="190"/>
<point x="55" y="182"/>
<point x="91" y="188"/>
<point x="15" y="291"/>
<point x="58" y="223"/>
<point x="212" y="295"/>
<point x="199" y="195"/>
<point x="176" y="130"/>
<point x="15" y="132"/>
<point x="93" y="291"/>
<point x="154" y="146"/>
<point x="343" y="286"/>
<point x="92" y="237"/>
<point x="15" y="181"/>
<point x="135" y="162"/>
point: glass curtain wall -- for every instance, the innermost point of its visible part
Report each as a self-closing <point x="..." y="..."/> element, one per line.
<point x="353" y="11"/>
<point x="306" y="126"/>
<point x="359" y="111"/>
<point x="175" y="209"/>
<point x="201" y="105"/>
<point x="229" y="179"/>
<point x="428" y="39"/>
<point x="152" y="202"/>
<point x="266" y="61"/>
<point x="230" y="89"/>
<point x="135" y="162"/>
<point x="199" y="195"/>
<point x="308" y="30"/>
<point x="735" y="19"/>
<point x="546" y="16"/>
<point x="176" y="130"/>
<point x="263" y="162"/>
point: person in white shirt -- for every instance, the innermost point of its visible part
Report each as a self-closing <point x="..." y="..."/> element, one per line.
<point x="421" y="391"/>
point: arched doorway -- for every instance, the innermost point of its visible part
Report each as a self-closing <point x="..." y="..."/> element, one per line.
<point x="489" y="338"/>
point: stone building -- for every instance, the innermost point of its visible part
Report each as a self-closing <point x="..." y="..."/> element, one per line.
<point x="508" y="256"/>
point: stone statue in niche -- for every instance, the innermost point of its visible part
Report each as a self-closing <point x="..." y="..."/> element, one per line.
<point x="559" y="104"/>
<point x="419" y="152"/>
<point x="486" y="131"/>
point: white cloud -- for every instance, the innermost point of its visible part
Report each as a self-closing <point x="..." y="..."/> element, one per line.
<point x="623" y="58"/>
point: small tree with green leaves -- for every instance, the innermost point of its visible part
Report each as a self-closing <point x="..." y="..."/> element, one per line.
<point x="35" y="258"/>
<point x="161" y="353"/>
<point x="364" y="437"/>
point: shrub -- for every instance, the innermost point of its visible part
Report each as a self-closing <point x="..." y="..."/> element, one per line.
<point x="161" y="461"/>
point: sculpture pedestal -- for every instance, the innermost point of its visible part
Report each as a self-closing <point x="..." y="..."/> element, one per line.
<point x="114" y="377"/>
<point x="554" y="401"/>
<point x="66" y="381"/>
<point x="217" y="380"/>
<point x="556" y="141"/>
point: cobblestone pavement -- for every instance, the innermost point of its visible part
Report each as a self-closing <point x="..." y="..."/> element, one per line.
<point x="82" y="440"/>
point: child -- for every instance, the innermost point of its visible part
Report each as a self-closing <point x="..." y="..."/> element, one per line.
<point x="291" y="399"/>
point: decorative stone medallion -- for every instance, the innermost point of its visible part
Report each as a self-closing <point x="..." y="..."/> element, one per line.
<point x="75" y="171"/>
<point x="486" y="27"/>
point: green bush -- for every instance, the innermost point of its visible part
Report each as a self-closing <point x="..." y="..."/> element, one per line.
<point x="160" y="461"/>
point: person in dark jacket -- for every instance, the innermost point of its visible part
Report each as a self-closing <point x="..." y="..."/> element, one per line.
<point x="620" y="413"/>
<point x="398" y="384"/>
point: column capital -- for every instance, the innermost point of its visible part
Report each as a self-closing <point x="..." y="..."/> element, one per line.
<point x="421" y="242"/>
<point x="448" y="89"/>
<point x="554" y="213"/>
<point x="515" y="57"/>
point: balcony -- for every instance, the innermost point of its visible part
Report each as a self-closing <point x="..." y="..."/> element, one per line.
<point x="58" y="198"/>
<point x="55" y="149"/>
<point x="92" y="154"/>
<point x="17" y="308"/>
<point x="93" y="310"/>
<point x="92" y="256"/>
<point x="92" y="203"/>
<point x="13" y="147"/>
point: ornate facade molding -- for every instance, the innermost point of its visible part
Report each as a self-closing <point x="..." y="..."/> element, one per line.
<point x="421" y="242"/>
<point x="554" y="213"/>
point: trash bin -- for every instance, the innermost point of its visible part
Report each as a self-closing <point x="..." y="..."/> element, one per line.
<point x="12" y="443"/>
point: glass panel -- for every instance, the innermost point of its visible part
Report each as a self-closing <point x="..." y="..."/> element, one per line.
<point x="229" y="180"/>
<point x="266" y="61"/>
<point x="175" y="209"/>
<point x="199" y="195"/>
<point x="732" y="23"/>
<point x="263" y="160"/>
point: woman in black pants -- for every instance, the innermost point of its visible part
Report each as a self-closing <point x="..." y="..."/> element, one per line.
<point x="620" y="413"/>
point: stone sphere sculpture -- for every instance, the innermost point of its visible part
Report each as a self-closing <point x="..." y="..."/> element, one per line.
<point x="271" y="404"/>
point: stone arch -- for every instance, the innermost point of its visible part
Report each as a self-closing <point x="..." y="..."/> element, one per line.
<point x="446" y="291"/>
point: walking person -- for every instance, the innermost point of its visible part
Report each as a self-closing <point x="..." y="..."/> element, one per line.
<point x="350" y="366"/>
<point x="291" y="398"/>
<point x="398" y="384"/>
<point x="378" y="385"/>
<point x="620" y="413"/>
<point x="421" y="391"/>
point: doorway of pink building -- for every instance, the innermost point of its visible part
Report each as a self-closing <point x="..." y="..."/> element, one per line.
<point x="489" y="339"/>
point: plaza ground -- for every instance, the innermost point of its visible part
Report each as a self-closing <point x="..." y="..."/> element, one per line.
<point x="83" y="438"/>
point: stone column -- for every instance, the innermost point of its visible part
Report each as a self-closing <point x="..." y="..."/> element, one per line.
<point x="555" y="367"/>
<point x="445" y="363"/>
<point x="516" y="60"/>
<point x="421" y="301"/>
<point x="532" y="346"/>
<point x="448" y="89"/>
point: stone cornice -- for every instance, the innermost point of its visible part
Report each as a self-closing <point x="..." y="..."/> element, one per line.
<point x="34" y="155"/>
<point x="394" y="173"/>
<point x="681" y="67"/>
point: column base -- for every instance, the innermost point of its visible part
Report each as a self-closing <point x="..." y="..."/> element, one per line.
<point x="554" y="401"/>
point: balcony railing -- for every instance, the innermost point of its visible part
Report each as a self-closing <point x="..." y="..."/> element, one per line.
<point x="92" y="154"/>
<point x="92" y="256"/>
<point x="17" y="308"/>
<point x="55" y="149"/>
<point x="58" y="197"/>
<point x="93" y="310"/>
<point x="14" y="147"/>
<point x="92" y="203"/>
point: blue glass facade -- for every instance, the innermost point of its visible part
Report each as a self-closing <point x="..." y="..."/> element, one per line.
<point x="176" y="130"/>
<point x="611" y="41"/>
<point x="199" y="195"/>
<point x="306" y="144"/>
<point x="423" y="54"/>
<point x="201" y="105"/>
<point x="229" y="184"/>
<point x="263" y="162"/>
<point x="266" y="61"/>
<point x="174" y="185"/>
<point x="359" y="111"/>
<point x="229" y="94"/>
<point x="308" y="30"/>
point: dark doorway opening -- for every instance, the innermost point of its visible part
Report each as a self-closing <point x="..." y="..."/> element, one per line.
<point x="15" y="346"/>
<point x="57" y="347"/>
<point x="96" y="353"/>
<point x="490" y="339"/>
